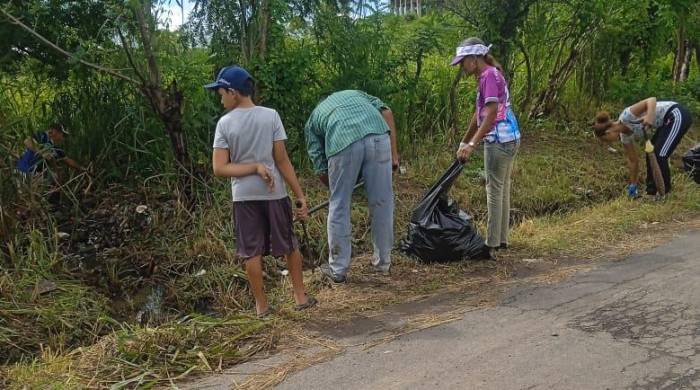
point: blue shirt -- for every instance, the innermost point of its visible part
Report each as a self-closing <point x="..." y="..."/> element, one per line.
<point x="31" y="162"/>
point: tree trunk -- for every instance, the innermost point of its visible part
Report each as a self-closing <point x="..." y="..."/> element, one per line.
<point x="264" y="23"/>
<point x="681" y="59"/>
<point x="547" y="98"/>
<point x="145" y="30"/>
<point x="685" y="67"/>
<point x="528" y="88"/>
<point x="243" y="38"/>
<point x="416" y="77"/>
<point x="169" y="109"/>
<point x="166" y="104"/>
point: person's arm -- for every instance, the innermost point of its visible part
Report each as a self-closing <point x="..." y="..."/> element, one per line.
<point x="632" y="162"/>
<point x="73" y="164"/>
<point x="389" y="118"/>
<point x="316" y="149"/>
<point x="279" y="153"/>
<point x="36" y="147"/>
<point x="488" y="122"/>
<point x="470" y="130"/>
<point x="223" y="167"/>
<point x="465" y="150"/>
<point x="645" y="108"/>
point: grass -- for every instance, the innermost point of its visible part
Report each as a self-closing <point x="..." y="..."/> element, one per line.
<point x="594" y="228"/>
<point x="568" y="202"/>
<point x="143" y="356"/>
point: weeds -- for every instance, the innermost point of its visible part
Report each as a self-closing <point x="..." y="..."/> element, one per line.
<point x="69" y="315"/>
<point x="593" y="228"/>
<point x="142" y="357"/>
<point x="84" y="331"/>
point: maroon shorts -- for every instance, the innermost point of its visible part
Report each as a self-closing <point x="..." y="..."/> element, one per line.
<point x="264" y="227"/>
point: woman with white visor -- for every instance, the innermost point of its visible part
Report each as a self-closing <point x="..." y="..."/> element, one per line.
<point x="495" y="124"/>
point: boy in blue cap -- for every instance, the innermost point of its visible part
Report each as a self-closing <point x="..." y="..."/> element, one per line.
<point x="249" y="148"/>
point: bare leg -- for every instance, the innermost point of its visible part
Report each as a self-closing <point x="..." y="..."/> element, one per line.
<point x="253" y="267"/>
<point x="295" y="272"/>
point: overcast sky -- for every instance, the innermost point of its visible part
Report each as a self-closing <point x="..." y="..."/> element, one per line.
<point x="176" y="14"/>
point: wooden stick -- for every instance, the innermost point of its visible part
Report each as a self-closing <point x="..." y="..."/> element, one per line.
<point x="325" y="204"/>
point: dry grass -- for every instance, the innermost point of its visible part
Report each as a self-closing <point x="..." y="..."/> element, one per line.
<point x="548" y="248"/>
<point x="595" y="228"/>
<point x="309" y="351"/>
<point x="143" y="357"/>
<point x="555" y="225"/>
<point x="555" y="247"/>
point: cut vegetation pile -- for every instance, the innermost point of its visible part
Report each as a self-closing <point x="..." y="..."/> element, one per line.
<point x="143" y="356"/>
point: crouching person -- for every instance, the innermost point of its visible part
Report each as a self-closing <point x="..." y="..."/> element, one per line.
<point x="36" y="165"/>
<point x="249" y="148"/>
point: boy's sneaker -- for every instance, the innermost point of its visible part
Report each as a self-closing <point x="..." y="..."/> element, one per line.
<point x="328" y="274"/>
<point x="310" y="302"/>
<point x="267" y="314"/>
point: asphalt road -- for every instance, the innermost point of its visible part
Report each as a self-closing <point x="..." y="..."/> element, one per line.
<point x="632" y="324"/>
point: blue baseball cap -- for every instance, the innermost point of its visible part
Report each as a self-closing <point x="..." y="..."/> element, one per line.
<point x="232" y="77"/>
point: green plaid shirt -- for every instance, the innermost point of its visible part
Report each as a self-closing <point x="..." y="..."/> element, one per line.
<point x="341" y="119"/>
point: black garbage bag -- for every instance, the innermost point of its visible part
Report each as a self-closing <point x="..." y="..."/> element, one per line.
<point x="691" y="163"/>
<point x="439" y="231"/>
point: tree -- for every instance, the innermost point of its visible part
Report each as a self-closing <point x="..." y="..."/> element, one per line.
<point x="63" y="24"/>
<point x="576" y="24"/>
<point x="686" y="16"/>
<point x="136" y="27"/>
<point x="498" y="23"/>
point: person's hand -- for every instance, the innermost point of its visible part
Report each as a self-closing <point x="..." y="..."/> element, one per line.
<point x="46" y="155"/>
<point x="266" y="175"/>
<point x="323" y="178"/>
<point x="465" y="150"/>
<point x="632" y="191"/>
<point x="301" y="212"/>
<point x="395" y="161"/>
<point x="647" y="122"/>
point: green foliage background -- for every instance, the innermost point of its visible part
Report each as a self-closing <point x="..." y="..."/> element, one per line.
<point x="625" y="52"/>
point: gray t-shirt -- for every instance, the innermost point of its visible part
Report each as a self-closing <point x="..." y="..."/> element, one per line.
<point x="248" y="134"/>
<point x="635" y="123"/>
